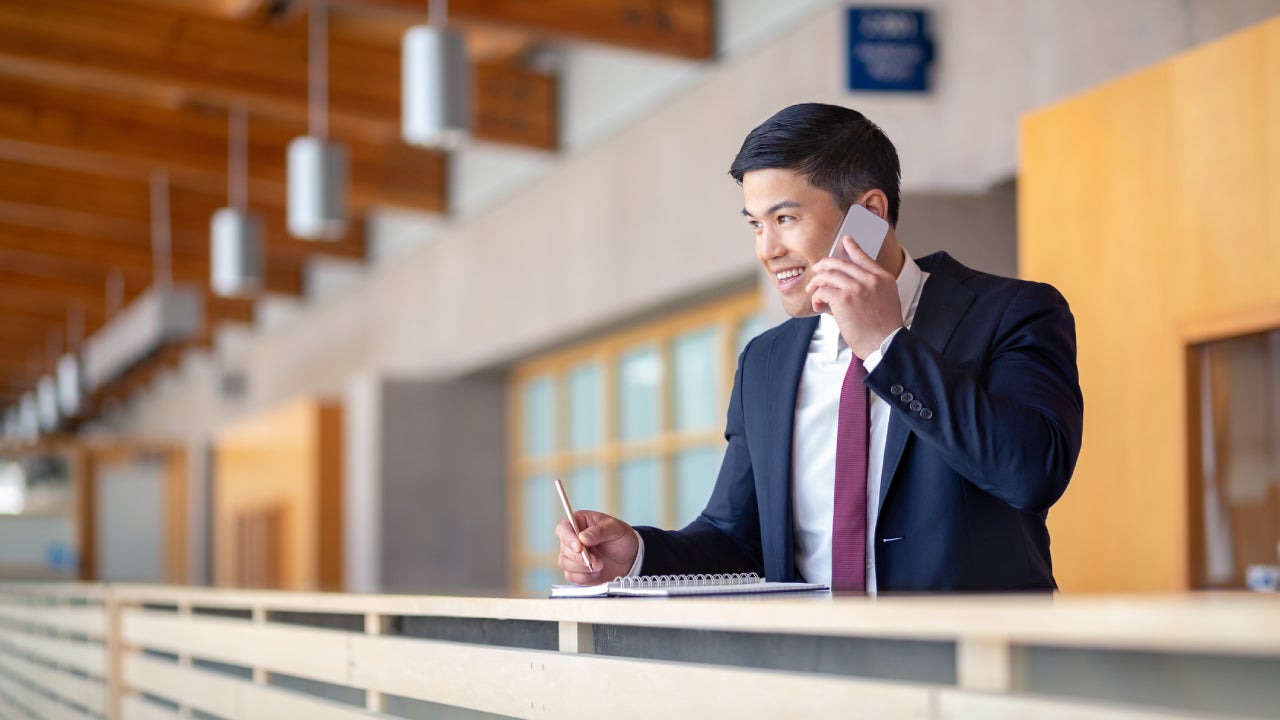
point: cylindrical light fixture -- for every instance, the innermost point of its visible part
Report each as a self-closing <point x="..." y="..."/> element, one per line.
<point x="235" y="234"/>
<point x="47" y="403"/>
<point x="70" y="387"/>
<point x="317" y="167"/>
<point x="29" y="417"/>
<point x="67" y="371"/>
<point x="435" y="91"/>
<point x="12" y="423"/>
<point x="317" y="189"/>
<point x="235" y="267"/>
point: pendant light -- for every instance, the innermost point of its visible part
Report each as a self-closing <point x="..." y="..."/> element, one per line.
<point x="29" y="417"/>
<point x="47" y="392"/>
<point x="47" y="403"/>
<point x="435" y="77"/>
<point x="29" y="405"/>
<point x="67" y="374"/>
<point x="317" y="166"/>
<point x="235" y="233"/>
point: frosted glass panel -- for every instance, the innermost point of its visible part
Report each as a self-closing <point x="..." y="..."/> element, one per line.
<point x="751" y="326"/>
<point x="696" y="388"/>
<point x="696" y="470"/>
<point x="640" y="498"/>
<point x="585" y="486"/>
<point x="584" y="387"/>
<point x="639" y="403"/>
<point x="539" y="417"/>
<point x="541" y="513"/>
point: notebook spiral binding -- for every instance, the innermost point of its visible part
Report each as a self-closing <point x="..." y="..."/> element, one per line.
<point x="657" y="581"/>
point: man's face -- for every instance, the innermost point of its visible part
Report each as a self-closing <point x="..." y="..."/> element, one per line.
<point x="795" y="224"/>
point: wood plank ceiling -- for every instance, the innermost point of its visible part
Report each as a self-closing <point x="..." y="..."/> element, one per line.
<point x="96" y="96"/>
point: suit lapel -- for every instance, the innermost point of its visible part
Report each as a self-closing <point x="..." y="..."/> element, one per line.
<point x="943" y="304"/>
<point x="786" y="363"/>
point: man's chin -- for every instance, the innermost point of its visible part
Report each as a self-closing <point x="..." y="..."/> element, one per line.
<point x="801" y="309"/>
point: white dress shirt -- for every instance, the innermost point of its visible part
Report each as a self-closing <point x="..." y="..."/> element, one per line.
<point x="813" y="440"/>
<point x="813" y="465"/>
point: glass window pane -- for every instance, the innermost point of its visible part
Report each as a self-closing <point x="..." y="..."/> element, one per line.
<point x="751" y="326"/>
<point x="696" y="470"/>
<point x="539" y="421"/>
<point x="640" y="498"/>
<point x="538" y="581"/>
<point x="541" y="512"/>
<point x="585" y="486"/>
<point x="696" y="368"/>
<point x="639" y="409"/>
<point x="584" y="406"/>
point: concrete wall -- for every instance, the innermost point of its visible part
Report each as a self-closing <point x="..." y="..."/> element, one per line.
<point x="443" y="510"/>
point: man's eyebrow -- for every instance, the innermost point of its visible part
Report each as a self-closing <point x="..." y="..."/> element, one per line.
<point x="774" y="208"/>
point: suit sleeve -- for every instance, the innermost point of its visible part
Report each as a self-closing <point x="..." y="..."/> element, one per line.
<point x="726" y="536"/>
<point x="1010" y="424"/>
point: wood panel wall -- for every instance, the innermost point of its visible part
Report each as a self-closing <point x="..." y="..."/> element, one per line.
<point x="1153" y="203"/>
<point x="286" y="462"/>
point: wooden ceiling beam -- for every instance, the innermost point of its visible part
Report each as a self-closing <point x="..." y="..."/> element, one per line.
<point x="166" y="58"/>
<point x="38" y="196"/>
<point x="182" y="57"/>
<point x="36" y="295"/>
<point x="684" y="28"/>
<point x="192" y="146"/>
<point x="189" y="258"/>
<point x="24" y="356"/>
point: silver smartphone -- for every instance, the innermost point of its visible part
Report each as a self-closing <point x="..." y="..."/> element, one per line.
<point x="867" y="229"/>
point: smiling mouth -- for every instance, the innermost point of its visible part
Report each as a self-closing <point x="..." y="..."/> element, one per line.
<point x="786" y="275"/>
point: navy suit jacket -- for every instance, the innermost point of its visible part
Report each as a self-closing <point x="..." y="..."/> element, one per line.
<point x="984" y="431"/>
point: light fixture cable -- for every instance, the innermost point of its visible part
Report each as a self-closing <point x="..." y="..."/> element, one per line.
<point x="161" y="261"/>
<point x="438" y="12"/>
<point x="238" y="157"/>
<point x="318" y="70"/>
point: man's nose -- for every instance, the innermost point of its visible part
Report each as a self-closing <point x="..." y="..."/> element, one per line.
<point x="769" y="245"/>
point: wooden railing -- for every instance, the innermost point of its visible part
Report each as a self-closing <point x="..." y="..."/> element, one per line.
<point x="120" y="651"/>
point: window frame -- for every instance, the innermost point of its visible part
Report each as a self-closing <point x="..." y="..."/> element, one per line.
<point x="726" y="314"/>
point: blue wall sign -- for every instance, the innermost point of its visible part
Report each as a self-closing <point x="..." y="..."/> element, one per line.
<point x="890" y="49"/>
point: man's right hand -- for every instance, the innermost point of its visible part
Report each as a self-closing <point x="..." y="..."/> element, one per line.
<point x="611" y="544"/>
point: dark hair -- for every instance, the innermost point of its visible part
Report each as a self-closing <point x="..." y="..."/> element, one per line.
<point x="837" y="149"/>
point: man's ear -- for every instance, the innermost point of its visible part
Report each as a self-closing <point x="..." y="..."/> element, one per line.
<point x="877" y="202"/>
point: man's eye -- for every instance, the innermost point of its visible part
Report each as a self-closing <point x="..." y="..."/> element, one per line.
<point x="755" y="224"/>
<point x="784" y="219"/>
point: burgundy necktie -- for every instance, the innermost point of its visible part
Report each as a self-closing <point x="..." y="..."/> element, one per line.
<point x="849" y="523"/>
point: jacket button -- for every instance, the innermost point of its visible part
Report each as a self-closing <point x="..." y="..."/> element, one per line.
<point x="915" y="406"/>
<point x="926" y="414"/>
<point x="907" y="397"/>
<point x="895" y="390"/>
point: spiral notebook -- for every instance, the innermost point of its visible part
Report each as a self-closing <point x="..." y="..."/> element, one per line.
<point x="683" y="585"/>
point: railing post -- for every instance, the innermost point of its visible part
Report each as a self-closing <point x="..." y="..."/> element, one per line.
<point x="259" y="617"/>
<point x="114" y="648"/>
<point x="988" y="664"/>
<point x="184" y="657"/>
<point x="374" y="624"/>
<point x="577" y="637"/>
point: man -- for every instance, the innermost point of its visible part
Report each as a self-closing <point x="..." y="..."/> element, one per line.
<point x="963" y="432"/>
